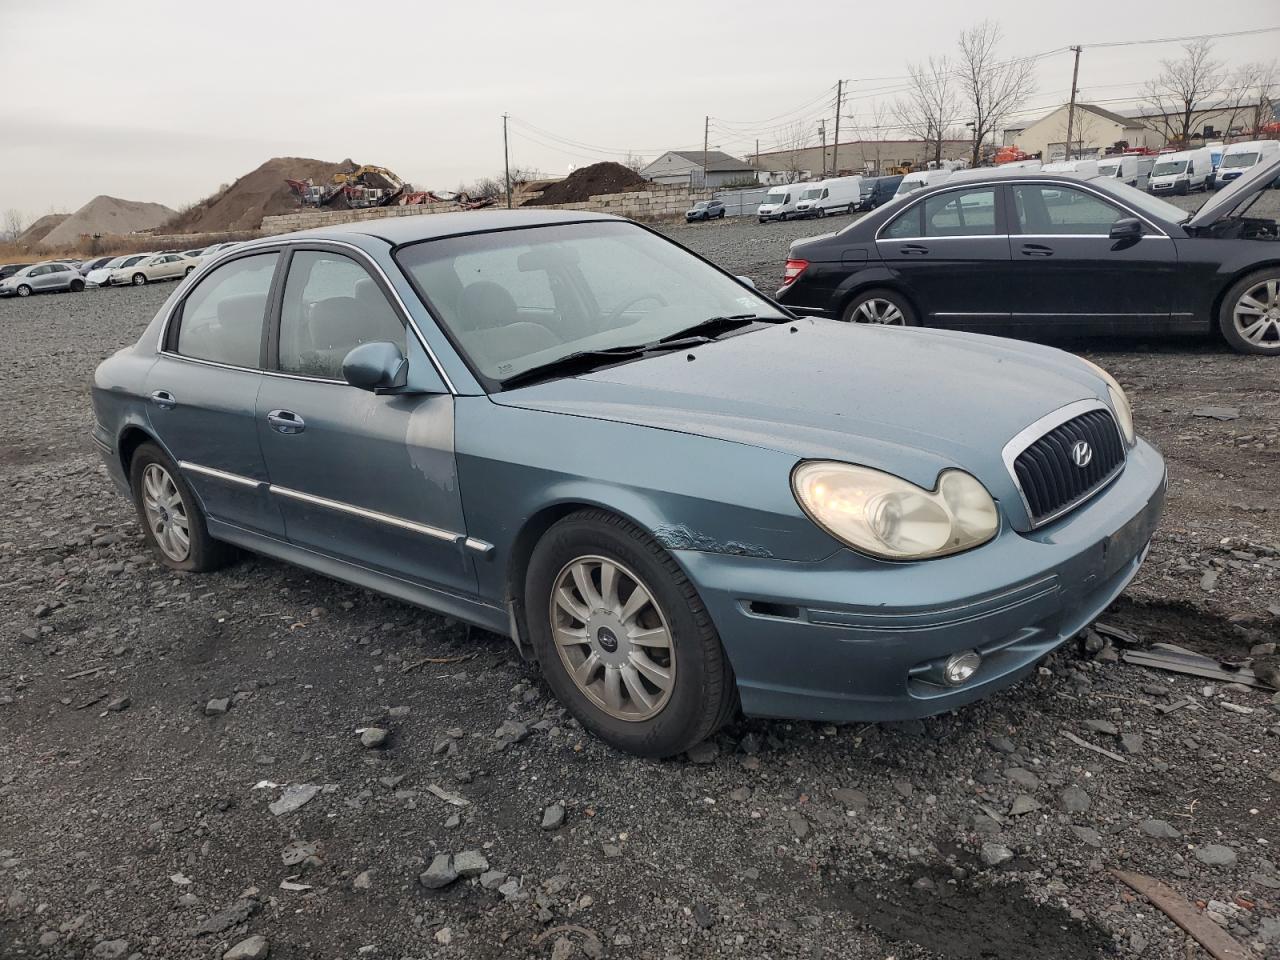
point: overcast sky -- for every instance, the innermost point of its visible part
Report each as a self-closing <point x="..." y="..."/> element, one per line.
<point x="166" y="101"/>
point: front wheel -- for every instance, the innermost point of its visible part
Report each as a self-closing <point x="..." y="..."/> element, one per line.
<point x="139" y="279"/>
<point x="1249" y="317"/>
<point x="822" y="213"/>
<point x="24" y="290"/>
<point x="187" y="272"/>
<point x="884" y="307"/>
<point x="171" y="517"/>
<point x="624" y="639"/>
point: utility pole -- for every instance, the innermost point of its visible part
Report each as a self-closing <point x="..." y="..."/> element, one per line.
<point x="822" y="132"/>
<point x="506" y="160"/>
<point x="1071" y="107"/>
<point x="757" y="159"/>
<point x="706" y="134"/>
<point x="835" y="147"/>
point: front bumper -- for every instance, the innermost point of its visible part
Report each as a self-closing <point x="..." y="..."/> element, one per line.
<point x="851" y="639"/>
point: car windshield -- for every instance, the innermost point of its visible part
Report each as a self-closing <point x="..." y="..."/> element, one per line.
<point x="1109" y="169"/>
<point x="1140" y="200"/>
<point x="514" y="300"/>
<point x="1168" y="168"/>
<point x="1233" y="160"/>
<point x="775" y="196"/>
<point x="811" y="194"/>
<point x="133" y="260"/>
<point x="701" y="205"/>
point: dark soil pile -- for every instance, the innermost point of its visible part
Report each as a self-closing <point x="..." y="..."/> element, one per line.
<point x="259" y="193"/>
<point x="587" y="182"/>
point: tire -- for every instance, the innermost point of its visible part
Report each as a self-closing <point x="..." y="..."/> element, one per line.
<point x="701" y="696"/>
<point x="77" y="286"/>
<point x="187" y="272"/>
<point x="720" y="215"/>
<point x="139" y="279"/>
<point x="1253" y="299"/>
<point x="152" y="470"/>
<point x="762" y="220"/>
<point x="782" y="217"/>
<point x="24" y="290"/>
<point x="822" y="213"/>
<point x="881" y="303"/>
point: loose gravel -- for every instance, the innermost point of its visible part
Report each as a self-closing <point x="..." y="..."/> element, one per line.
<point x="186" y="767"/>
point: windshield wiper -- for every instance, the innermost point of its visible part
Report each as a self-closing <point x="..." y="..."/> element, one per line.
<point x="713" y="326"/>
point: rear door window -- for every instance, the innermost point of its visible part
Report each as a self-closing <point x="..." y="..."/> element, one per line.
<point x="221" y="320"/>
<point x="1063" y="211"/>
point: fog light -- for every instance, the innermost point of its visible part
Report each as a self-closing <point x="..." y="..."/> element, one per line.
<point x="961" y="666"/>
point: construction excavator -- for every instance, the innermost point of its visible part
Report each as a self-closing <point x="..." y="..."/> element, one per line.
<point x="366" y="186"/>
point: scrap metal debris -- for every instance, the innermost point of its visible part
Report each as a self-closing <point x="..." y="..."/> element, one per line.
<point x="294" y="796"/>
<point x="1176" y="660"/>
<point x="1089" y="746"/>
<point x="447" y="797"/>
<point x="1220" y="944"/>
<point x="1217" y="413"/>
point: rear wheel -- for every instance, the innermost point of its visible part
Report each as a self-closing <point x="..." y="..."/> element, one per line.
<point x="720" y="215"/>
<point x="139" y="279"/>
<point x="77" y="286"/>
<point x="171" y="517"/>
<point x="1250" y="313"/>
<point x="623" y="638"/>
<point x="884" y="307"/>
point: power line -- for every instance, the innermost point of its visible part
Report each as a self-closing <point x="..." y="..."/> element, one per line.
<point x="1199" y="36"/>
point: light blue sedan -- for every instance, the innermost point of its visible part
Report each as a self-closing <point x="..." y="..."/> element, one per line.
<point x="678" y="497"/>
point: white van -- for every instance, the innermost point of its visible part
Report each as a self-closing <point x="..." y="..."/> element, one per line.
<point x="1076" y="168"/>
<point x="919" y="179"/>
<point x="780" y="202"/>
<point x="1131" y="168"/>
<point x="838" y="195"/>
<point x="1239" y="157"/>
<point x="1181" y="172"/>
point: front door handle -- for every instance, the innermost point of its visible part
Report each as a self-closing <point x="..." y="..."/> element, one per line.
<point x="164" y="399"/>
<point x="913" y="248"/>
<point x="286" y="421"/>
<point x="1036" y="250"/>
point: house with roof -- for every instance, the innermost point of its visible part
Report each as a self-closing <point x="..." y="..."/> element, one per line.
<point x="1092" y="129"/>
<point x="695" y="168"/>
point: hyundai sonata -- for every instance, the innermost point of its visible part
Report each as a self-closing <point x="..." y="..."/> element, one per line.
<point x="679" y="498"/>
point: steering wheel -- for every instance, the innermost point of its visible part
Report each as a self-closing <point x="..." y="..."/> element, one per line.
<point x="613" y="316"/>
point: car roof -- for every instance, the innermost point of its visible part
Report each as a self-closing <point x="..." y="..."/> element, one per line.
<point x="399" y="230"/>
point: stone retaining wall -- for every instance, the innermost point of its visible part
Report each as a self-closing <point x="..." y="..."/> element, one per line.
<point x="639" y="205"/>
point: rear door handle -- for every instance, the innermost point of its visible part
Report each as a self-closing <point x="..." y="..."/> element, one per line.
<point x="1036" y="250"/>
<point x="164" y="399"/>
<point x="286" y="421"/>
<point x="911" y="248"/>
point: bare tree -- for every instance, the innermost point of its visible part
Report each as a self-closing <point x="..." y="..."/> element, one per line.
<point x="1185" y="92"/>
<point x="634" y="162"/>
<point x="792" y="140"/>
<point x="1250" y="96"/>
<point x="931" y="104"/>
<point x="881" y="114"/>
<point x="14" y="224"/>
<point x="990" y="88"/>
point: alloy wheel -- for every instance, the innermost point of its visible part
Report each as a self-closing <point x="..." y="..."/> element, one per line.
<point x="139" y="279"/>
<point x="24" y="291"/>
<point x="1257" y="314"/>
<point x="613" y="638"/>
<point x="166" y="514"/>
<point x="876" y="310"/>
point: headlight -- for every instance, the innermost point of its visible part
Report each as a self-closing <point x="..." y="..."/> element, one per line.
<point x="885" y="516"/>
<point x="1119" y="403"/>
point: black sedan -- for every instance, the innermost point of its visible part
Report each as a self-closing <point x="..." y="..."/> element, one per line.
<point x="1039" y="255"/>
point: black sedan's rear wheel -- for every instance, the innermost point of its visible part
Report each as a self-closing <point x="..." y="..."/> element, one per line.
<point x="885" y="307"/>
<point x="623" y="638"/>
<point x="1250" y="313"/>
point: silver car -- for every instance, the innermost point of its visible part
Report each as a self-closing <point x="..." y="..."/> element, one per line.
<point x="42" y="278"/>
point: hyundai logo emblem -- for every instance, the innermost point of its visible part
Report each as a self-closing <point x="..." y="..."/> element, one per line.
<point x="1081" y="454"/>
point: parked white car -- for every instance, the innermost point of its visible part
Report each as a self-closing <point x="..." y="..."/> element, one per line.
<point x="1077" y="168"/>
<point x="1181" y="172"/>
<point x="1130" y="168"/>
<point x="919" y="179"/>
<point x="780" y="202"/>
<point x="837" y="195"/>
<point x="164" y="266"/>
<point x="101" y="276"/>
<point x="1239" y="157"/>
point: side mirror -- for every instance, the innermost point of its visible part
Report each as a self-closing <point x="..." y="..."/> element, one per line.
<point x="747" y="281"/>
<point x="378" y="367"/>
<point x="1129" y="228"/>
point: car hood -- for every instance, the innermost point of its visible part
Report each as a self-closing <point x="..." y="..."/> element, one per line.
<point x="1237" y="191"/>
<point x="912" y="402"/>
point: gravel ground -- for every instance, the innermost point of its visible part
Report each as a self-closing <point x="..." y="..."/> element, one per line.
<point x="158" y="728"/>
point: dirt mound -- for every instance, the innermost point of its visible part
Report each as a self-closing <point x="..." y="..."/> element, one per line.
<point x="107" y="215"/>
<point x="587" y="182"/>
<point x="38" y="230"/>
<point x="259" y="193"/>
